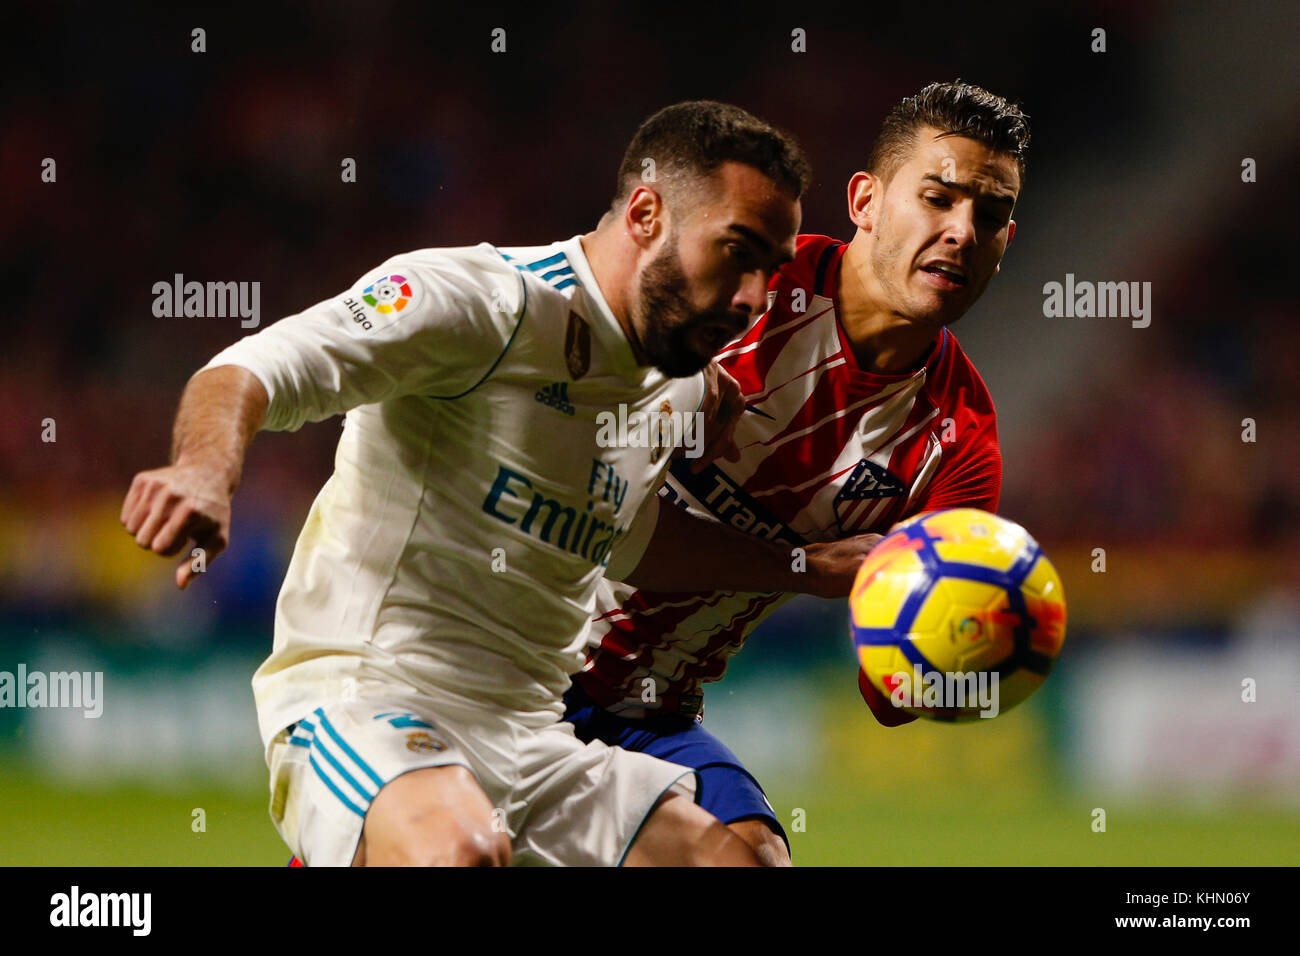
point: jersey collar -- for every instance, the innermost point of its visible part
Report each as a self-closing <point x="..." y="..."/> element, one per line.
<point x="606" y="325"/>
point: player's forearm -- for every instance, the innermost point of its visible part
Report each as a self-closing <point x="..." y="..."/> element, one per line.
<point x="687" y="553"/>
<point x="220" y="412"/>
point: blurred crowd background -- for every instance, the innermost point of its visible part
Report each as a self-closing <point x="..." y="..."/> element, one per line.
<point x="225" y="166"/>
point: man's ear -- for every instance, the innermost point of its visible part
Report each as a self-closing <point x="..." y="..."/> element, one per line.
<point x="644" y="216"/>
<point x="864" y="189"/>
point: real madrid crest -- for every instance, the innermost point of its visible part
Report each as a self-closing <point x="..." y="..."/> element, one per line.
<point x="577" y="346"/>
<point x="421" y="743"/>
<point x="662" y="425"/>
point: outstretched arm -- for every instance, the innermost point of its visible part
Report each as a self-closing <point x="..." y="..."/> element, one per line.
<point x="323" y="361"/>
<point x="688" y="553"/>
<point x="221" y="410"/>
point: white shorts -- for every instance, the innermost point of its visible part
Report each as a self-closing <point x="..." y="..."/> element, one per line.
<point x="563" y="802"/>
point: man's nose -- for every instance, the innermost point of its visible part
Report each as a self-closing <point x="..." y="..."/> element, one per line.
<point x="751" y="296"/>
<point x="960" y="228"/>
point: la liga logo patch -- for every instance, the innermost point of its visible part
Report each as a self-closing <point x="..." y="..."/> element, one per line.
<point x="388" y="294"/>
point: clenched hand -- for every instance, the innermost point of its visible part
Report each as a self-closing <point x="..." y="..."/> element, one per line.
<point x="724" y="403"/>
<point x="167" y="507"/>
<point x="834" y="564"/>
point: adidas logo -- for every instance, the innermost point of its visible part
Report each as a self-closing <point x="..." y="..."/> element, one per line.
<point x="556" y="395"/>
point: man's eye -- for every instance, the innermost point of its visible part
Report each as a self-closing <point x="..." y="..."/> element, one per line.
<point x="739" y="252"/>
<point x="940" y="201"/>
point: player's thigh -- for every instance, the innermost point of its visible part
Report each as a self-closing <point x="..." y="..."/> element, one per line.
<point x="330" y="769"/>
<point x="436" y="816"/>
<point x="768" y="845"/>
<point x="726" y="789"/>
<point x="730" y="793"/>
<point x="680" y="833"/>
<point x="577" y="804"/>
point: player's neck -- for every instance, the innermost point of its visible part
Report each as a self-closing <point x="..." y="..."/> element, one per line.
<point x="883" y="341"/>
<point x="615" y="271"/>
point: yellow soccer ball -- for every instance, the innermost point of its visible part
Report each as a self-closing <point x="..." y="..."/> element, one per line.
<point x="957" y="615"/>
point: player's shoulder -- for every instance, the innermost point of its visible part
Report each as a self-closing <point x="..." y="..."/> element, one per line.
<point x="461" y="272"/>
<point x="483" y="259"/>
<point x="811" y="264"/>
<point x="457" y="287"/>
<point x="953" y="374"/>
<point x="548" y="269"/>
<point x="792" y="288"/>
<point x="512" y="279"/>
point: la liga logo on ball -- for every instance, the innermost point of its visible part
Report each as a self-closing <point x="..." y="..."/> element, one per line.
<point x="388" y="294"/>
<point x="957" y="615"/>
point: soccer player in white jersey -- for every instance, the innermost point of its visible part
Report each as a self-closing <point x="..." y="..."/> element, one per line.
<point x="438" y="595"/>
<point x="862" y="410"/>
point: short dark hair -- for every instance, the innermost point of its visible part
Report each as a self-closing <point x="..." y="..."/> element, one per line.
<point x="962" y="109"/>
<point x="689" y="141"/>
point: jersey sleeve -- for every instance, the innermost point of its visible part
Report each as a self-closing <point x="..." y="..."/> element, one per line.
<point x="432" y="323"/>
<point x="886" y="714"/>
<point x="973" y="481"/>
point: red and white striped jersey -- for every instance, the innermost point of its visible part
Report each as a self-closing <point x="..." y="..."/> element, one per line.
<point x="827" y="450"/>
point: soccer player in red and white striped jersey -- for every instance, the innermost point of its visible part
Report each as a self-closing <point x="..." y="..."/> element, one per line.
<point x="861" y="409"/>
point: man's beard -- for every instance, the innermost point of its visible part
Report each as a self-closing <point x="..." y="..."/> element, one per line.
<point x="668" y="319"/>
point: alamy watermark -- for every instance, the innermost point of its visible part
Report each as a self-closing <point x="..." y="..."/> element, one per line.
<point x="947" y="690"/>
<point x="129" y="910"/>
<point x="1084" y="299"/>
<point x="64" y="689"/>
<point x="658" y="431"/>
<point x="208" y="300"/>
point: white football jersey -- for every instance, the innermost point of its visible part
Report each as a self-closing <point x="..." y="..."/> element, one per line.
<point x="472" y="510"/>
